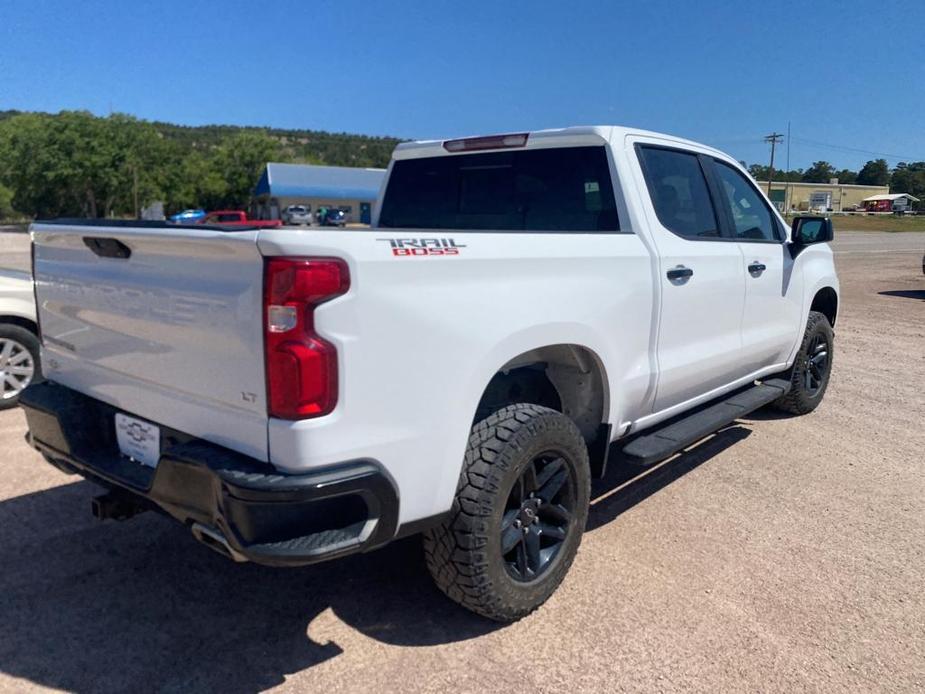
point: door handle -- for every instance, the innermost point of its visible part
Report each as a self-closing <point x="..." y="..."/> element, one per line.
<point x="680" y="273"/>
<point x="757" y="268"/>
<point x="107" y="247"/>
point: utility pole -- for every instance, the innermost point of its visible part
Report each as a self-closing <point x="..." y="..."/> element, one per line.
<point x="788" y="146"/>
<point x="135" y="190"/>
<point x="788" y="189"/>
<point x="774" y="139"/>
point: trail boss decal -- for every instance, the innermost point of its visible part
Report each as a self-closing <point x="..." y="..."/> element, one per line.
<point x="420" y="247"/>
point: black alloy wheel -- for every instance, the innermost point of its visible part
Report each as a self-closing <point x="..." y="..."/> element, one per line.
<point x="817" y="364"/>
<point x="537" y="516"/>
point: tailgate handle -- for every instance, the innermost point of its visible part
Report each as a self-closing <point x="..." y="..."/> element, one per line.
<point x="107" y="248"/>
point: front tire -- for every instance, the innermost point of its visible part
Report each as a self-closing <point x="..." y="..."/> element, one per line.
<point x="518" y="516"/>
<point x="19" y="363"/>
<point x="809" y="376"/>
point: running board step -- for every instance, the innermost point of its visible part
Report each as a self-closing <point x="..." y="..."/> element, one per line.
<point x="680" y="434"/>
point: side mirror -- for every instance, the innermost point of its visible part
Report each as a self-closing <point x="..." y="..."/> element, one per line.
<point x="807" y="230"/>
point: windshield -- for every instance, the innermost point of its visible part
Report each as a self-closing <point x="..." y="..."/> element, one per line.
<point x="556" y="189"/>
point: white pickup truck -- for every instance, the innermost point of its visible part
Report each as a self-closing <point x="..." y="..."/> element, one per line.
<point x="459" y="370"/>
<point x="19" y="344"/>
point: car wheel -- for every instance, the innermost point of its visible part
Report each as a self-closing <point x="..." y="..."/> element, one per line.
<point x="811" y="371"/>
<point x="19" y="363"/>
<point x="518" y="516"/>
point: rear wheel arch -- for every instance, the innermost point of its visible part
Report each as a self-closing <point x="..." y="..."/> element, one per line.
<point x="569" y="378"/>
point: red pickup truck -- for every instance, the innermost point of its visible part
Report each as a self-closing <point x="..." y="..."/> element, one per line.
<point x="237" y="218"/>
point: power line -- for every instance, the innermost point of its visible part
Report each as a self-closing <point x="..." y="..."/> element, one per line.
<point x="754" y="139"/>
<point x="884" y="155"/>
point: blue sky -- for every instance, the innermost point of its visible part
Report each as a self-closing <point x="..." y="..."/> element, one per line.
<point x="845" y="74"/>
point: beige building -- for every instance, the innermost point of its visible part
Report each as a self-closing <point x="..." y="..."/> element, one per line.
<point x="834" y="196"/>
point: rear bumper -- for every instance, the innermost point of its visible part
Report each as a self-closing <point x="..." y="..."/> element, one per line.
<point x="229" y="499"/>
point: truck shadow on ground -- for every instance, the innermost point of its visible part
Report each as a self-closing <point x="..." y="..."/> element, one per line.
<point x="906" y="294"/>
<point x="86" y="606"/>
<point x="626" y="485"/>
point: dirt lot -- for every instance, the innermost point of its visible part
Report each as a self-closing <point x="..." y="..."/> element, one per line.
<point x="781" y="555"/>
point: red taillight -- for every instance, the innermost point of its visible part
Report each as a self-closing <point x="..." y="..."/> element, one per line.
<point x="469" y="144"/>
<point x="301" y="365"/>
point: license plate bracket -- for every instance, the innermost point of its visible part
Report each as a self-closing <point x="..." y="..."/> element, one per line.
<point x="138" y="439"/>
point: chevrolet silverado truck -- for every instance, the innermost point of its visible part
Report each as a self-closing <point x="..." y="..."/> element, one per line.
<point x="19" y="343"/>
<point x="523" y="305"/>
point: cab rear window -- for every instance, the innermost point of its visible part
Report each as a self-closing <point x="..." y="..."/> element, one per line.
<point x="558" y="189"/>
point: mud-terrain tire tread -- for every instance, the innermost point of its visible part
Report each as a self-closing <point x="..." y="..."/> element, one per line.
<point x="455" y="550"/>
<point x="797" y="401"/>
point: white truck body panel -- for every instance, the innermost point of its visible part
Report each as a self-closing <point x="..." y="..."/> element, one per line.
<point x="172" y="334"/>
<point x="16" y="298"/>
<point x="419" y="338"/>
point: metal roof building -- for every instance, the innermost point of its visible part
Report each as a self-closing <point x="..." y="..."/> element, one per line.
<point x="798" y="196"/>
<point x="892" y="202"/>
<point x="352" y="190"/>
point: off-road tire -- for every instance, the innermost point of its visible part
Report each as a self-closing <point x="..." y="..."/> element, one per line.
<point x="799" y="400"/>
<point x="28" y="340"/>
<point x="464" y="553"/>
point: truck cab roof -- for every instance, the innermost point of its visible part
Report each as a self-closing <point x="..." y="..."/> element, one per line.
<point x="573" y="136"/>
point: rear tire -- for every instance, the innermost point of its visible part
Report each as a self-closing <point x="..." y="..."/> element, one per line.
<point x="19" y="363"/>
<point x="811" y="371"/>
<point x="518" y="516"/>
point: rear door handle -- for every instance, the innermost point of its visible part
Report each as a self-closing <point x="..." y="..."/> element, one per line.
<point x="680" y="273"/>
<point x="757" y="268"/>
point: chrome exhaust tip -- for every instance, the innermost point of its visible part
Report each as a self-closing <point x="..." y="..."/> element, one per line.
<point x="215" y="540"/>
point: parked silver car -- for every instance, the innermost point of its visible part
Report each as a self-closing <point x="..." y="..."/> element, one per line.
<point x="297" y="214"/>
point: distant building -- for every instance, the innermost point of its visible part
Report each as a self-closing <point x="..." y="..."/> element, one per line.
<point x="835" y="196"/>
<point x="352" y="190"/>
<point x="894" y="202"/>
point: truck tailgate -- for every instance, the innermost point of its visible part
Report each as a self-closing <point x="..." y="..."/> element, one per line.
<point x="171" y="333"/>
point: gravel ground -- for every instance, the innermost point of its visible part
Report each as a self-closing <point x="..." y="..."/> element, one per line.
<point x="781" y="555"/>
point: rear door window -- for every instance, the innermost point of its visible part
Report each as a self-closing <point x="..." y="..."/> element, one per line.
<point x="557" y="189"/>
<point x="679" y="192"/>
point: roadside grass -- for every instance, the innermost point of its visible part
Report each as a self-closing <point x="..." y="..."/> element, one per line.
<point x="858" y="222"/>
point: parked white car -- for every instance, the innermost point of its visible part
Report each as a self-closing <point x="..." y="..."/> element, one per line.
<point x="461" y="369"/>
<point x="19" y="345"/>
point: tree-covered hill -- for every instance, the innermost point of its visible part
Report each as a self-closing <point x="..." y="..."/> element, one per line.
<point x="76" y="164"/>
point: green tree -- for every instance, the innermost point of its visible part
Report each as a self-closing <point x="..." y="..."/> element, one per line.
<point x="240" y="160"/>
<point x="874" y="173"/>
<point x="196" y="182"/>
<point x="760" y="173"/>
<point x="73" y="163"/>
<point x="909" y="178"/>
<point x="6" y="203"/>
<point x="847" y="176"/>
<point x="819" y="172"/>
<point x="76" y="164"/>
